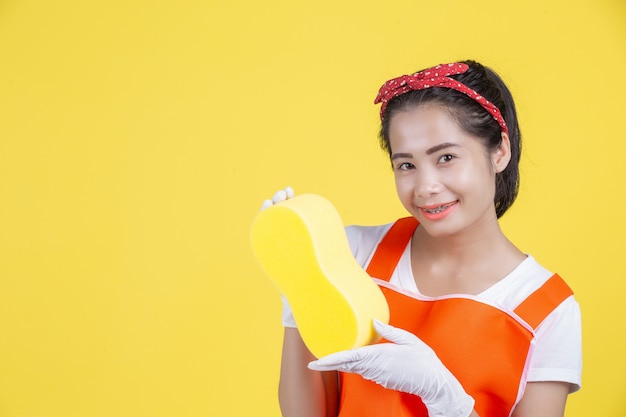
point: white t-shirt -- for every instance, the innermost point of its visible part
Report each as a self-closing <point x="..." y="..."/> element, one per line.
<point x="557" y="354"/>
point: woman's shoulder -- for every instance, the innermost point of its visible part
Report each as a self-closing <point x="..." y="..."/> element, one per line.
<point x="363" y="240"/>
<point x="515" y="287"/>
<point x="359" y="232"/>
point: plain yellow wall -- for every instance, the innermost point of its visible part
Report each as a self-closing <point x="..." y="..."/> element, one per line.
<point x="138" y="139"/>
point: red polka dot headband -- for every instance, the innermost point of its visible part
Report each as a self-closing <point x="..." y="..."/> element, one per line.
<point x="438" y="76"/>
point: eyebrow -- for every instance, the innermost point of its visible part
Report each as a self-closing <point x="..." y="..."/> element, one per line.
<point x="429" y="151"/>
<point x="401" y="155"/>
<point x="439" y="147"/>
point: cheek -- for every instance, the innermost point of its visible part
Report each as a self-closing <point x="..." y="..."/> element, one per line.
<point x="469" y="179"/>
<point x="403" y="188"/>
<point x="480" y="181"/>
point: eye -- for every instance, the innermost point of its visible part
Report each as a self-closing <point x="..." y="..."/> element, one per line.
<point x="405" y="166"/>
<point x="446" y="158"/>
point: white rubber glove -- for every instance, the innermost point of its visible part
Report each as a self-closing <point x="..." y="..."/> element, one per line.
<point x="280" y="195"/>
<point x="407" y="365"/>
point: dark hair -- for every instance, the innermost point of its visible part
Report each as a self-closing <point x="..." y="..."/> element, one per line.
<point x="473" y="119"/>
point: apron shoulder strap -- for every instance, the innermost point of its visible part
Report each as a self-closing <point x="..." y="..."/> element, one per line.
<point x="534" y="309"/>
<point x="391" y="247"/>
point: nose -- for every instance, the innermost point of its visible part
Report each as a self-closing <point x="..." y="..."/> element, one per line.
<point x="426" y="184"/>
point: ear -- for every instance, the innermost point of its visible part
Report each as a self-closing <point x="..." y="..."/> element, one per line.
<point x="501" y="157"/>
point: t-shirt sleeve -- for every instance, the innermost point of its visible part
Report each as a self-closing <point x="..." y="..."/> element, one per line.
<point x="557" y="352"/>
<point x="288" y="320"/>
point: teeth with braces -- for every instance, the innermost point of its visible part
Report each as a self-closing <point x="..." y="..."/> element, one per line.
<point x="438" y="209"/>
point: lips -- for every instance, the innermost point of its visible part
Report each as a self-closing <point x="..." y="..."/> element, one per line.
<point x="438" y="211"/>
<point x="434" y="209"/>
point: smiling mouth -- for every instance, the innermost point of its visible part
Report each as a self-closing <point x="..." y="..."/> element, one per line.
<point x="438" y="209"/>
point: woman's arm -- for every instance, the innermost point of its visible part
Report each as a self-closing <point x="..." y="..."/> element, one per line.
<point x="303" y="392"/>
<point x="545" y="399"/>
<point x="541" y="399"/>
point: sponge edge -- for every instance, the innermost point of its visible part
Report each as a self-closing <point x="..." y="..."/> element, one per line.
<point x="301" y="245"/>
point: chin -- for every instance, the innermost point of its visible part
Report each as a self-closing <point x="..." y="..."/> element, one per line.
<point x="439" y="229"/>
<point x="440" y="232"/>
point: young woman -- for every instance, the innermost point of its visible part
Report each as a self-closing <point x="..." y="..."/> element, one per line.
<point x="477" y="327"/>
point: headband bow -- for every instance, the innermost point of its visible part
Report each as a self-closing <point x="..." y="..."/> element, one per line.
<point x="438" y="76"/>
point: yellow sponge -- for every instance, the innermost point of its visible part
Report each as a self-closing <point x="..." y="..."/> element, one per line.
<point x="302" y="246"/>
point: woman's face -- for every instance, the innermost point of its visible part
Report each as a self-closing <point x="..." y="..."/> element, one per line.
<point x="444" y="177"/>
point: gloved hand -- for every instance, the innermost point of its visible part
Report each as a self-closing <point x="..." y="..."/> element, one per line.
<point x="408" y="365"/>
<point x="280" y="195"/>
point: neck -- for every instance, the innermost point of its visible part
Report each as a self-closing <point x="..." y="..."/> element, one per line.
<point x="480" y="240"/>
<point x="467" y="262"/>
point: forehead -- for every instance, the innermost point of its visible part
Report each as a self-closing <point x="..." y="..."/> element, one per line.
<point x="423" y="121"/>
<point x="422" y="127"/>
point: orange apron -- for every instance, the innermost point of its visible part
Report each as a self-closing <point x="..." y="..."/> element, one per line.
<point x="485" y="348"/>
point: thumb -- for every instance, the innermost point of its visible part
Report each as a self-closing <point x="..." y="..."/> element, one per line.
<point x="395" y="334"/>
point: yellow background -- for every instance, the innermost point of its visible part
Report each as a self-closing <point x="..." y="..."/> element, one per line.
<point x="138" y="139"/>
